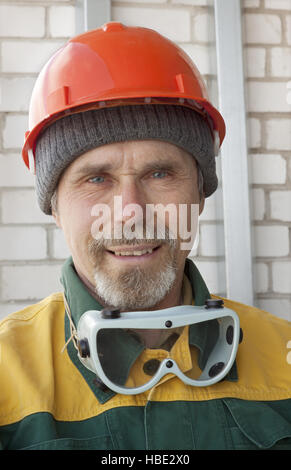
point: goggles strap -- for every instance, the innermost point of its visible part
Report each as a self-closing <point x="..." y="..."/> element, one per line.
<point x="74" y="336"/>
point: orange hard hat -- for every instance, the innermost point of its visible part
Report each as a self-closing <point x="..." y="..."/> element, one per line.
<point x="116" y="65"/>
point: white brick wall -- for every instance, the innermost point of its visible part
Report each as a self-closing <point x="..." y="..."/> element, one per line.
<point x="254" y="132"/>
<point x="279" y="305"/>
<point x="22" y="21"/>
<point x="278" y="135"/>
<point x="62" y="21"/>
<point x="22" y="243"/>
<point x="267" y="38"/>
<point x="255" y="59"/>
<point x="261" y="277"/>
<point x="281" y="206"/>
<point x="268" y="169"/>
<point x="14" y="208"/>
<point x="288" y="28"/>
<point x="258" y="204"/>
<point x="13" y="173"/>
<point x="26" y="56"/>
<point x="271" y="241"/>
<point x="282" y="276"/>
<point x="211" y="240"/>
<point x="32" y="248"/>
<point x="214" y="272"/>
<point x="267" y="97"/>
<point x="278" y="4"/>
<point x="15" y="93"/>
<point x="25" y="281"/>
<point x="13" y="132"/>
<point x="31" y="253"/>
<point x="281" y="62"/>
<point x="174" y="23"/>
<point x="262" y="29"/>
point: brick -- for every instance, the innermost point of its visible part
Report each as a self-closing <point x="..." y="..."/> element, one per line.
<point x="267" y="97"/>
<point x="281" y="62"/>
<point x="278" y="134"/>
<point x="288" y="92"/>
<point x="22" y="21"/>
<point x="141" y="1"/>
<point x="288" y="28"/>
<point x="271" y="240"/>
<point x="203" y="57"/>
<point x="211" y="240"/>
<point x="280" y="205"/>
<point x="20" y="207"/>
<point x="255" y="60"/>
<point x="172" y="23"/>
<point x="27" y="56"/>
<point x="254" y="133"/>
<point x="261" y="278"/>
<point x="60" y="249"/>
<point x="213" y="207"/>
<point x="204" y="27"/>
<point x="282" y="277"/>
<point x="22" y="243"/>
<point x="262" y="29"/>
<point x="13" y="171"/>
<point x="251" y="3"/>
<point x="14" y="129"/>
<point x="192" y="2"/>
<point x="214" y="275"/>
<point x="258" y="204"/>
<point x="15" y="93"/>
<point x="62" y="21"/>
<point x="30" y="281"/>
<point x="278" y="307"/>
<point x="278" y="4"/>
<point x="268" y="169"/>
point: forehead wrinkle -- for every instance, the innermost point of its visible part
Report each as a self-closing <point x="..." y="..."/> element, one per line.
<point x="115" y="158"/>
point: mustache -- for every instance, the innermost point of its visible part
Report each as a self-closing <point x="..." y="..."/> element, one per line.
<point x="160" y="236"/>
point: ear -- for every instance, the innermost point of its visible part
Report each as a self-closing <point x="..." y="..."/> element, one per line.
<point x="201" y="204"/>
<point x="57" y="218"/>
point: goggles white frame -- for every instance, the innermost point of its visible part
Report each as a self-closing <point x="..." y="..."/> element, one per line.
<point x="223" y="352"/>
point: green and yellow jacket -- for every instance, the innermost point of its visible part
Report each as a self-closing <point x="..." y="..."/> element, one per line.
<point x="49" y="400"/>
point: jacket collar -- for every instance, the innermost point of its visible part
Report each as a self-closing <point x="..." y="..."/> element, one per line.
<point x="79" y="300"/>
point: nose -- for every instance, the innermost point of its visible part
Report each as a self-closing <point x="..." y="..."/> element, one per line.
<point x="131" y="201"/>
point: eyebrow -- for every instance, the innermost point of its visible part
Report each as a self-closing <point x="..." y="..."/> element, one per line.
<point x="103" y="168"/>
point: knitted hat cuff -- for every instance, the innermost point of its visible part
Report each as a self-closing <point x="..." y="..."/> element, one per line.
<point x="71" y="136"/>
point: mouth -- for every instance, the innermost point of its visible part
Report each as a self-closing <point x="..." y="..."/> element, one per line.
<point x="133" y="252"/>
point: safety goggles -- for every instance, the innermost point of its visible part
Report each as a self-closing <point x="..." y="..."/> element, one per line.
<point x="200" y="348"/>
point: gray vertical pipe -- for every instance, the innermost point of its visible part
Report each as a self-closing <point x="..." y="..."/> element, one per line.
<point x="234" y="151"/>
<point x="91" y="14"/>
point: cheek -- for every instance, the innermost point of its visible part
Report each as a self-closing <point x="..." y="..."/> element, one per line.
<point x="76" y="220"/>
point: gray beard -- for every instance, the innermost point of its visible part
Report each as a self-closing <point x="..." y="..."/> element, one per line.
<point x="135" y="288"/>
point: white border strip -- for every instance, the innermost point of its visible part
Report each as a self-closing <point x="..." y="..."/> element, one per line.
<point x="234" y="151"/>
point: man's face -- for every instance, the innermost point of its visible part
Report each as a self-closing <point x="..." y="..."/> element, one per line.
<point x="128" y="273"/>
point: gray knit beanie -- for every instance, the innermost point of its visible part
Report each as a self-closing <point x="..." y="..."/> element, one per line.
<point x="69" y="137"/>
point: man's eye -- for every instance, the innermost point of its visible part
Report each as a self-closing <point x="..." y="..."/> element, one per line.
<point x="159" y="174"/>
<point x="97" y="179"/>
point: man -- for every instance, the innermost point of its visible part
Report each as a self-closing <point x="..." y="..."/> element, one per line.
<point x="119" y="120"/>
